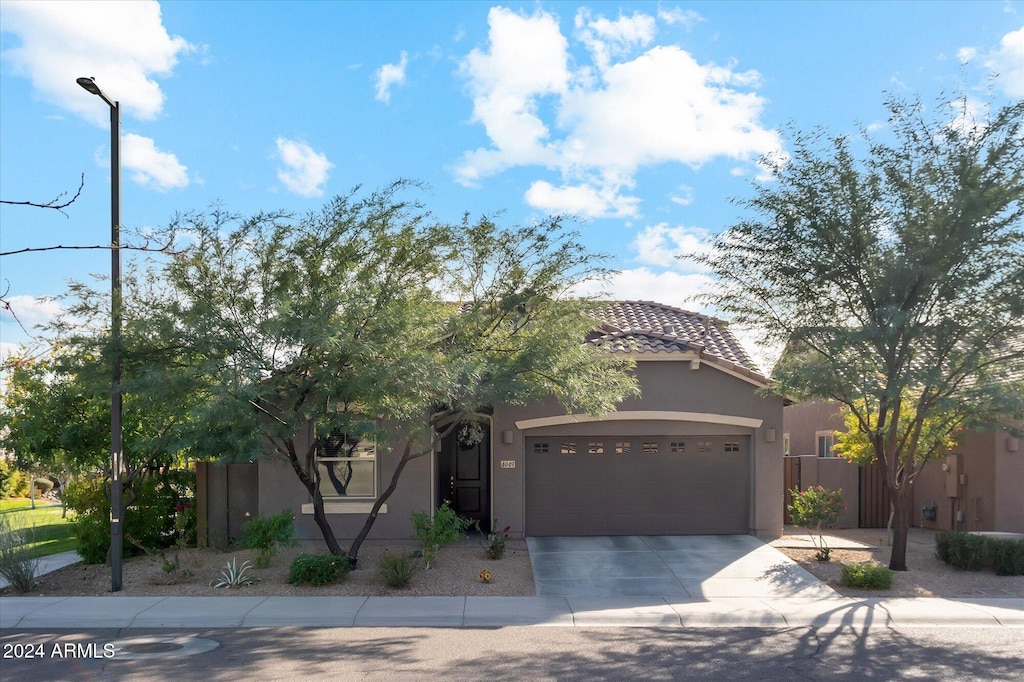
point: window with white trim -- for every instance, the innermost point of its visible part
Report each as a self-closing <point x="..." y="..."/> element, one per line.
<point x="826" y="443"/>
<point x="348" y="467"/>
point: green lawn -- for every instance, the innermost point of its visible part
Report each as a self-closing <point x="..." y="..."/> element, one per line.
<point x="48" y="532"/>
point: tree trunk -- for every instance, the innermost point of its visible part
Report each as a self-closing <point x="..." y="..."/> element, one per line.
<point x="312" y="485"/>
<point x="900" y="529"/>
<point x="320" y="517"/>
<point x="353" y="551"/>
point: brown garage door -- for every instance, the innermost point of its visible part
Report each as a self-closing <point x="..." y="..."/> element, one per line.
<point x="658" y="485"/>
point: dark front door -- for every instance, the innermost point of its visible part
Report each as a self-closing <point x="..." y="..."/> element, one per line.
<point x="464" y="476"/>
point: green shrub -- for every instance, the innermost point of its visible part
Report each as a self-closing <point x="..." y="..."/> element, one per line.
<point x="318" y="569"/>
<point x="148" y="523"/>
<point x="43" y="486"/>
<point x="445" y="528"/>
<point x="396" y="570"/>
<point x="496" y="540"/>
<point x="817" y="508"/>
<point x="1006" y="556"/>
<point x="19" y="484"/>
<point x="867" y="575"/>
<point x="967" y="551"/>
<point x="17" y="565"/>
<point x="265" y="533"/>
<point x="6" y="480"/>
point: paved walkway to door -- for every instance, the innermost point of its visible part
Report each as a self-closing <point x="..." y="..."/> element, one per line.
<point x="684" y="566"/>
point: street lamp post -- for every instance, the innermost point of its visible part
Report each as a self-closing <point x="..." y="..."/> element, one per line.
<point x="116" y="451"/>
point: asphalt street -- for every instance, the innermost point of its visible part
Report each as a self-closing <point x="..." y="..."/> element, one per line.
<point x="518" y="653"/>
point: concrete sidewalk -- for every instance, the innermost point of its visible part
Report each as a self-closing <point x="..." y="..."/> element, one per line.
<point x="49" y="564"/>
<point x="74" y="613"/>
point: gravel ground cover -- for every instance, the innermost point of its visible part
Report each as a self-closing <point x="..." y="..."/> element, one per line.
<point x="455" y="573"/>
<point x="458" y="566"/>
<point x="927" y="576"/>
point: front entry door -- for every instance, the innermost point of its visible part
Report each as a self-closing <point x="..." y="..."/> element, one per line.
<point x="464" y="476"/>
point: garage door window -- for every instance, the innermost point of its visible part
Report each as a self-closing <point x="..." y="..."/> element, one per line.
<point x="569" y="448"/>
<point x="623" y="448"/>
<point x="650" y="447"/>
<point x="595" y="448"/>
<point x="732" y="446"/>
<point x="540" y="448"/>
<point x="704" y="446"/>
<point x="677" y="447"/>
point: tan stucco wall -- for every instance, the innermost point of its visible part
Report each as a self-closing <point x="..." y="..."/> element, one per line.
<point x="834" y="473"/>
<point x="1009" y="484"/>
<point x="991" y="494"/>
<point x="669" y="386"/>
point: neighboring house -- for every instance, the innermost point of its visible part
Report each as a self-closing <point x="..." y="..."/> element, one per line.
<point x="700" y="452"/>
<point x="977" y="486"/>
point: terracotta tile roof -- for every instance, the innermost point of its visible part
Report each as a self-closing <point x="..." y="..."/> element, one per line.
<point x="648" y="327"/>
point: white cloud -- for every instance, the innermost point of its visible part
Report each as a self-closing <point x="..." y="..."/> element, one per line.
<point x="598" y="124"/>
<point x="124" y="45"/>
<point x="688" y="18"/>
<point x="644" y="284"/>
<point x="152" y="167"/>
<point x="605" y="38"/>
<point x="1008" y="61"/>
<point x="30" y="311"/>
<point x="684" y="197"/>
<point x="390" y="75"/>
<point x="583" y="200"/>
<point x="660" y="244"/>
<point x="305" y="171"/>
<point x="966" y="54"/>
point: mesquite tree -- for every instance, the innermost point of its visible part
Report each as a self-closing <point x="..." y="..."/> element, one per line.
<point x="891" y="268"/>
<point x="370" y="313"/>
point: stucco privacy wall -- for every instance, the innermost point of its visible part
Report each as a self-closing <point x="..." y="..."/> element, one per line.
<point x="982" y="476"/>
<point x="834" y="473"/>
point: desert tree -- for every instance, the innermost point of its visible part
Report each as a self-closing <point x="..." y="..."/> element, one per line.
<point x="890" y="266"/>
<point x="372" y="318"/>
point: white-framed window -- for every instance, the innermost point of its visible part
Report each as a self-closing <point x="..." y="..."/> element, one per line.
<point x="785" y="444"/>
<point x="348" y="467"/>
<point x="826" y="441"/>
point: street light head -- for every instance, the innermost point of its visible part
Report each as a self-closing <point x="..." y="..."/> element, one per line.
<point x="89" y="84"/>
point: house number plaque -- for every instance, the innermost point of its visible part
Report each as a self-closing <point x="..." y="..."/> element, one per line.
<point x="508" y="464"/>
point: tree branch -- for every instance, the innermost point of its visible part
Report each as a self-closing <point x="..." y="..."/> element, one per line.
<point x="54" y="203"/>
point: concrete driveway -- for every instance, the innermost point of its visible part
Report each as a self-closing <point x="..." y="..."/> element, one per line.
<point x="684" y="566"/>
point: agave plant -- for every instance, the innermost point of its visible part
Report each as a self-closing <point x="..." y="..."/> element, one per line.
<point x="233" y="575"/>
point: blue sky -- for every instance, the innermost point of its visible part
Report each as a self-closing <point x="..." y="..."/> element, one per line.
<point x="642" y="118"/>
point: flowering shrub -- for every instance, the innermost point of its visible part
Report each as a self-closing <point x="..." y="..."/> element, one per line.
<point x="817" y="508"/>
<point x="497" y="540"/>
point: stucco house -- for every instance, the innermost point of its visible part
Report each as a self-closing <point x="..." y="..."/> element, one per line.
<point x="975" y="487"/>
<point x="700" y="452"/>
